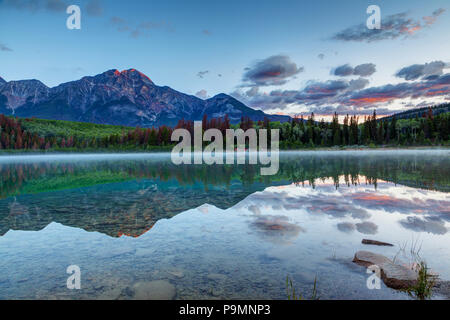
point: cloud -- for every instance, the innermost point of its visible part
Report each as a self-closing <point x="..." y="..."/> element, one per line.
<point x="362" y="70"/>
<point x="432" y="225"/>
<point x="342" y="96"/>
<point x="343" y="71"/>
<point x="358" y="84"/>
<point x="140" y="29"/>
<point x="334" y="206"/>
<point x="120" y="24"/>
<point x="315" y="93"/>
<point x="94" y="8"/>
<point x="392" y="27"/>
<point x="367" y="227"/>
<point x="253" y="91"/>
<point x="425" y="71"/>
<point x="321" y="56"/>
<point x="439" y="86"/>
<point x="276" y="229"/>
<point x="346" y="227"/>
<point x="30" y="5"/>
<point x="56" y="5"/>
<point x="5" y="48"/>
<point x="272" y="71"/>
<point x="36" y="5"/>
<point x="429" y="20"/>
<point x="365" y="70"/>
<point x="206" y="32"/>
<point x="203" y="94"/>
<point x="202" y="74"/>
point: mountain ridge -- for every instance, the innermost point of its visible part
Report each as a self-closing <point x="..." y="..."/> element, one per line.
<point x="115" y="97"/>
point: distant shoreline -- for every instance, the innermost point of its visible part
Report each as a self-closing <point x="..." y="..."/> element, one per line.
<point x="168" y="149"/>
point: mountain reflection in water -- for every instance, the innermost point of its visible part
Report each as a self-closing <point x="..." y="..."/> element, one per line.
<point x="126" y="197"/>
<point x="251" y="229"/>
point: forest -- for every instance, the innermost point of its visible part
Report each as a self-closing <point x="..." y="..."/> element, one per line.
<point x="427" y="129"/>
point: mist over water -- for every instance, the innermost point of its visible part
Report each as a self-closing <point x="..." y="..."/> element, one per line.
<point x="220" y="231"/>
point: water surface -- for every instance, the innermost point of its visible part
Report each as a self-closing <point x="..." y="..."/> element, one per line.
<point x="218" y="231"/>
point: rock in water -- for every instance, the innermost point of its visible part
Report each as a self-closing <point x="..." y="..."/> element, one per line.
<point x="176" y="273"/>
<point x="393" y="275"/>
<point x="376" y="243"/>
<point x="443" y="288"/>
<point x="154" y="290"/>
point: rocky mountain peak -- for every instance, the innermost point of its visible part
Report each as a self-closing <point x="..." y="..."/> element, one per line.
<point x="126" y="76"/>
<point x="126" y="97"/>
<point x="17" y="93"/>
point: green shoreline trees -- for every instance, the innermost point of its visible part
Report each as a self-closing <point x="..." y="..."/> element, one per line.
<point x="299" y="133"/>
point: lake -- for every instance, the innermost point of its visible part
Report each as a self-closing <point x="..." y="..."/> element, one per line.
<point x="221" y="231"/>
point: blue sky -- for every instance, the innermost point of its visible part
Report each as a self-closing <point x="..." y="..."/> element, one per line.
<point x="209" y="47"/>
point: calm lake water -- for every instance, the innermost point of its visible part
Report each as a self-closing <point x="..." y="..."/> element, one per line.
<point x="218" y="232"/>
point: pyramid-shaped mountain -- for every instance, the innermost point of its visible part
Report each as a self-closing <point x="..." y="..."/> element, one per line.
<point x="120" y="98"/>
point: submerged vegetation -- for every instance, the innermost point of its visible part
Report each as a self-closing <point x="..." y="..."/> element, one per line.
<point x="26" y="178"/>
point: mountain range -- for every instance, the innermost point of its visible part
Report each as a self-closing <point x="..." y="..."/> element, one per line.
<point x="119" y="98"/>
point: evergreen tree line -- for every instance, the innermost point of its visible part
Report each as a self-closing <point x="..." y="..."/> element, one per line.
<point x="427" y="129"/>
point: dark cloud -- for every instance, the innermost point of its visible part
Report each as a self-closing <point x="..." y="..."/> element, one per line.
<point x="362" y="70"/>
<point x="202" y="74"/>
<point x="253" y="91"/>
<point x="352" y="97"/>
<point x="439" y="86"/>
<point x="321" y="56"/>
<point x="427" y="71"/>
<point x="343" y="71"/>
<point x="358" y="84"/>
<point x="5" y="48"/>
<point x="94" y="8"/>
<point x="392" y="27"/>
<point x="365" y="70"/>
<point x="317" y="91"/>
<point x="275" y="70"/>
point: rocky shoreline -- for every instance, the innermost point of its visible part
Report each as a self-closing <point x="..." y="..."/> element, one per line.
<point x="394" y="275"/>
